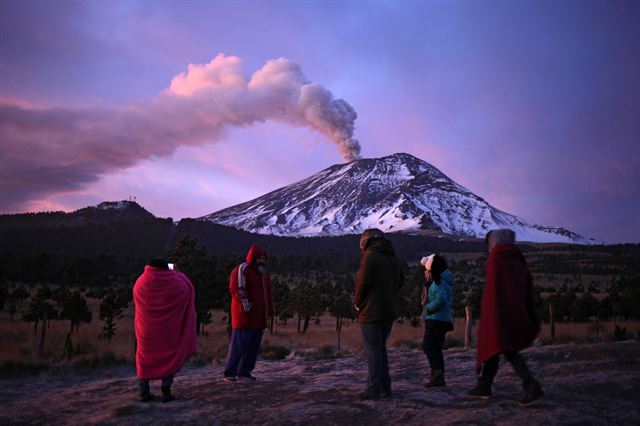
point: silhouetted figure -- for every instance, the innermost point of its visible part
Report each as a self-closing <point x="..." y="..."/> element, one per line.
<point x="165" y="324"/>
<point x="251" y="311"/>
<point x="437" y="298"/>
<point x="508" y="322"/>
<point x="380" y="278"/>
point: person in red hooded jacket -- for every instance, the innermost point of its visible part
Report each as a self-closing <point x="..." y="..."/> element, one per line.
<point x="251" y="312"/>
<point x="508" y="321"/>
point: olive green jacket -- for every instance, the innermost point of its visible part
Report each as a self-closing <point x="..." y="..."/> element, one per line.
<point x="380" y="278"/>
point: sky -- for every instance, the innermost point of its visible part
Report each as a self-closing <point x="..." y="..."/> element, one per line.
<point x="194" y="106"/>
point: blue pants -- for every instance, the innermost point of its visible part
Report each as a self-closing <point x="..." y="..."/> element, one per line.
<point x="144" y="384"/>
<point x="374" y="336"/>
<point x="243" y="351"/>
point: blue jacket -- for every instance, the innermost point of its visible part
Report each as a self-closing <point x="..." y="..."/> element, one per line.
<point x="440" y="299"/>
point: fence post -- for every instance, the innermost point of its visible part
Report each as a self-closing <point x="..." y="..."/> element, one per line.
<point x="467" y="328"/>
<point x="552" y="322"/>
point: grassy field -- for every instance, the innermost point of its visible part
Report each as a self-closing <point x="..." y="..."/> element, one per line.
<point x="19" y="343"/>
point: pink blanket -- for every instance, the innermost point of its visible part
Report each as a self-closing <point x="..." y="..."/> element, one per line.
<point x="165" y="322"/>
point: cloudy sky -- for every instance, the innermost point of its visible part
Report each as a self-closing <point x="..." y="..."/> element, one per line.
<point x="196" y="106"/>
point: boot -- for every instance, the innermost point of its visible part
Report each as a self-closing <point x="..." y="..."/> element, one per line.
<point x="166" y="394"/>
<point x="532" y="394"/>
<point x="436" y="380"/>
<point x="146" y="397"/>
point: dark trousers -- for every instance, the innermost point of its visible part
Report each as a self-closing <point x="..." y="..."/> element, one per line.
<point x="374" y="337"/>
<point x="490" y="369"/>
<point x="145" y="388"/>
<point x="243" y="351"/>
<point x="432" y="343"/>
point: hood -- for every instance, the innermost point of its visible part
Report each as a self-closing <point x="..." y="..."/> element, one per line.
<point x="382" y="245"/>
<point x="447" y="277"/>
<point x="506" y="250"/>
<point x="254" y="253"/>
<point x="499" y="237"/>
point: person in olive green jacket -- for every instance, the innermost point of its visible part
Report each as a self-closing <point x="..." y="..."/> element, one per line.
<point x="380" y="278"/>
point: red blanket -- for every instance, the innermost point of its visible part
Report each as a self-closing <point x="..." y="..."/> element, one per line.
<point x="165" y="322"/>
<point x="507" y="319"/>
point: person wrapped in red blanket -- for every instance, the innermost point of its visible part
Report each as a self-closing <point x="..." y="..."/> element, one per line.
<point x="508" y="322"/>
<point x="165" y="325"/>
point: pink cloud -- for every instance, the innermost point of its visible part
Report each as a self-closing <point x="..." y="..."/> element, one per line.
<point x="51" y="150"/>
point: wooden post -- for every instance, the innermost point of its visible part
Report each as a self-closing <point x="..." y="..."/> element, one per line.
<point x="42" y="331"/>
<point x="552" y="322"/>
<point x="467" y="328"/>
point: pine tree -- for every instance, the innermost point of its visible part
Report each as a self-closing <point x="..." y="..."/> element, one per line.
<point x="111" y="307"/>
<point x="305" y="301"/>
<point x="73" y="307"/>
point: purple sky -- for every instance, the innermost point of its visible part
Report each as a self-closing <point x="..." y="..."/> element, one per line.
<point x="535" y="106"/>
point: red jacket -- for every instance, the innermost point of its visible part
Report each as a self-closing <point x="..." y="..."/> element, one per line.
<point x="508" y="321"/>
<point x="251" y="302"/>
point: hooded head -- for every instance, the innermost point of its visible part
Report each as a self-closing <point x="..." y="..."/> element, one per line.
<point x="434" y="265"/>
<point x="498" y="237"/>
<point x="159" y="263"/>
<point x="368" y="236"/>
<point x="255" y="253"/>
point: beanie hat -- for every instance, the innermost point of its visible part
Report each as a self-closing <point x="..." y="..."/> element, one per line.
<point x="427" y="261"/>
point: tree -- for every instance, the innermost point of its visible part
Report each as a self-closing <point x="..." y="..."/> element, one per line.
<point x="584" y="308"/>
<point x="341" y="308"/>
<point x="4" y="296"/>
<point x="111" y="307"/>
<point x="411" y="296"/>
<point x="305" y="301"/>
<point x="281" y="295"/>
<point x="198" y="266"/>
<point x="74" y="308"/>
<point x="41" y="308"/>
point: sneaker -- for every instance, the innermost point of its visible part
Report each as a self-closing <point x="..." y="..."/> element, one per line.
<point x="480" y="392"/>
<point x="229" y="379"/>
<point x="531" y="397"/>
<point x="247" y="377"/>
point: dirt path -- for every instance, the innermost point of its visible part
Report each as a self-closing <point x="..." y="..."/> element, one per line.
<point x="587" y="384"/>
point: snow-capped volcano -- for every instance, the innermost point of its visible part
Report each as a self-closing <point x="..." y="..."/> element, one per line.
<point x="395" y="193"/>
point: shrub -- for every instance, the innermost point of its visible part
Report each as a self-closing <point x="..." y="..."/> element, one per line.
<point x="274" y="352"/>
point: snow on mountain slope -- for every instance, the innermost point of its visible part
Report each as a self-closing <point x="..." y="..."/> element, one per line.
<point x="395" y="193"/>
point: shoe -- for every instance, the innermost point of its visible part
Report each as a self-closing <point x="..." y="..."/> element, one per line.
<point x="532" y="396"/>
<point x="369" y="395"/>
<point x="229" y="379"/>
<point x="436" y="380"/>
<point x="166" y="394"/>
<point x="480" y="392"/>
<point x="247" y="377"/>
<point x="146" y="397"/>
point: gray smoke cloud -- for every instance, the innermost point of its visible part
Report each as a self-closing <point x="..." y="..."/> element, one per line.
<point x="48" y="150"/>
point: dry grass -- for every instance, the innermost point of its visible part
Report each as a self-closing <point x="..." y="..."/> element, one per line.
<point x="19" y="343"/>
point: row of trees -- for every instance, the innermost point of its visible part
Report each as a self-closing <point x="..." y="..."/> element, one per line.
<point x="62" y="304"/>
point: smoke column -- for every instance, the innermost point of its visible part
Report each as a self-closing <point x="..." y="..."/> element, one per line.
<point x="47" y="150"/>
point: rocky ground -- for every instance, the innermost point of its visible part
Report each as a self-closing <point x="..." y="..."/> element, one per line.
<point x="584" y="384"/>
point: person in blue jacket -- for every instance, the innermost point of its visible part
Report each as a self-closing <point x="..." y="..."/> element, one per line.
<point x="437" y="297"/>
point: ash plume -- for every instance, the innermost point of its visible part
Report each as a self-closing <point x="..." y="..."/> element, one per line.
<point x="48" y="150"/>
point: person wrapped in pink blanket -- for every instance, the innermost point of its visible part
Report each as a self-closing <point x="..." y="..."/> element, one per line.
<point x="165" y="324"/>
